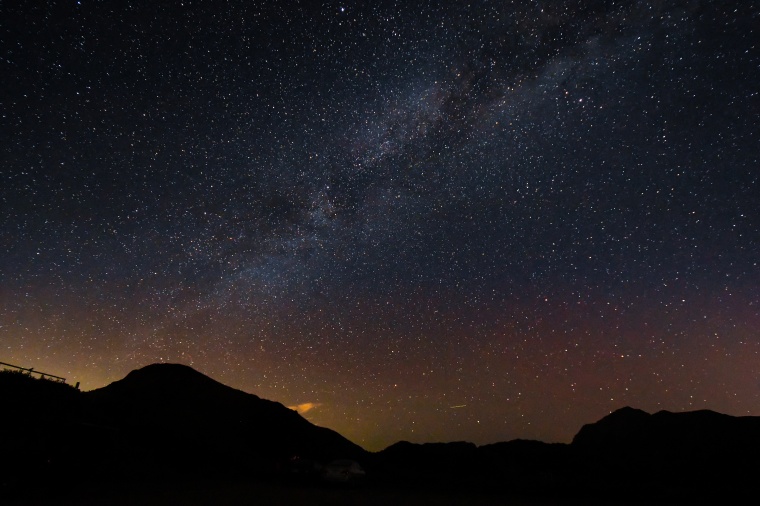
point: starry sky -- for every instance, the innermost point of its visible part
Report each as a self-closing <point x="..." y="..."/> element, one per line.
<point x="423" y="221"/>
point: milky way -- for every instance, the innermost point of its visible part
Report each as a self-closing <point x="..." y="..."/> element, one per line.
<point x="410" y="220"/>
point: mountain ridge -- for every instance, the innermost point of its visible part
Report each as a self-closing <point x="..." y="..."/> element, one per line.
<point x="171" y="422"/>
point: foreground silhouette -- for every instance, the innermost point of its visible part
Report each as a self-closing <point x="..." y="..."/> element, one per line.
<point x="171" y="427"/>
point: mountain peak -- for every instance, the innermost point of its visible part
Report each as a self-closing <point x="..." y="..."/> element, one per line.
<point x="626" y="413"/>
<point x="165" y="367"/>
<point x="620" y="425"/>
<point x="167" y="379"/>
<point x="175" y="401"/>
<point x="167" y="372"/>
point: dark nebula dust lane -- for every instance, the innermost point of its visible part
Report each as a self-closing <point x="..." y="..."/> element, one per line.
<point x="411" y="220"/>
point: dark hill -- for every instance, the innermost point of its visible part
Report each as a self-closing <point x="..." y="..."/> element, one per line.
<point x="197" y="422"/>
<point x="633" y="431"/>
<point x="168" y="422"/>
<point x="173" y="378"/>
<point x="32" y="412"/>
<point x="518" y="466"/>
<point x="163" y="421"/>
<point x="627" y="455"/>
<point x="432" y="463"/>
<point x="701" y="453"/>
<point x="619" y="427"/>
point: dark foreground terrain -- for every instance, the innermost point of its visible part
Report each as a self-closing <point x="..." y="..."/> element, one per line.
<point x="167" y="434"/>
<point x="238" y="493"/>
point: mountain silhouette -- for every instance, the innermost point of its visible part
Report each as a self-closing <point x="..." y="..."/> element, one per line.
<point x="166" y="423"/>
<point x="701" y="453"/>
<point x="181" y="400"/>
<point x="631" y="431"/>
<point x="201" y="421"/>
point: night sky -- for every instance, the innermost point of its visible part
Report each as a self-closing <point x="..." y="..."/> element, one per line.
<point x="418" y="221"/>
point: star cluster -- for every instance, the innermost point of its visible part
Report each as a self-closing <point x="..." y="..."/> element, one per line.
<point x="428" y="221"/>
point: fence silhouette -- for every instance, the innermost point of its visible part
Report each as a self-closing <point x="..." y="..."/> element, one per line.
<point x="30" y="371"/>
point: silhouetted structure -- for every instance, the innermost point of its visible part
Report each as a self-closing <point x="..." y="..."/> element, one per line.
<point x="30" y="371"/>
